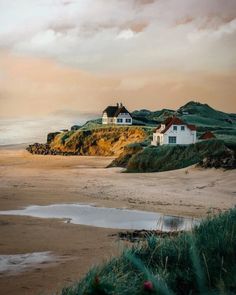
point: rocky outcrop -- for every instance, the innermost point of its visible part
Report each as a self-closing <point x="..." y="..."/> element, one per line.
<point x="226" y="161"/>
<point x="44" y="149"/>
<point x="139" y="235"/>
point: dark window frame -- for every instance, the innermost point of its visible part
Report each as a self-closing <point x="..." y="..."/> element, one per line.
<point x="172" y="139"/>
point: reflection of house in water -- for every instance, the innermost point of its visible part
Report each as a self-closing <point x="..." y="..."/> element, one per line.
<point x="176" y="223"/>
<point x="173" y="223"/>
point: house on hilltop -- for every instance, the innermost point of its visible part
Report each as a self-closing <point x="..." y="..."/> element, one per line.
<point x="174" y="131"/>
<point x="117" y="115"/>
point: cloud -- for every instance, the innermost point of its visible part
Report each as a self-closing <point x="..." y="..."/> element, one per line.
<point x="144" y="2"/>
<point x="126" y="34"/>
<point x="227" y="28"/>
<point x="90" y="34"/>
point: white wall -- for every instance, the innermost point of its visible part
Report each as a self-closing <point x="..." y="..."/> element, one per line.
<point x="183" y="137"/>
<point x="104" y="118"/>
<point x="186" y="136"/>
<point x="157" y="139"/>
<point x="120" y="120"/>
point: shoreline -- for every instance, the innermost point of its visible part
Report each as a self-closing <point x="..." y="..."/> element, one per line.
<point x="99" y="185"/>
<point x="27" y="179"/>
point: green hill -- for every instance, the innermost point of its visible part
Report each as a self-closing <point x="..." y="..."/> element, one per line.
<point x="93" y="138"/>
<point x="202" y="115"/>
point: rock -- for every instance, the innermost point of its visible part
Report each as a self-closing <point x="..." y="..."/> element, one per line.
<point x="138" y="235"/>
<point x="39" y="148"/>
<point x="226" y="161"/>
<point x="45" y="149"/>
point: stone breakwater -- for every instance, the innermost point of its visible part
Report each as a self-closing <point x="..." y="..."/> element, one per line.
<point x="45" y="149"/>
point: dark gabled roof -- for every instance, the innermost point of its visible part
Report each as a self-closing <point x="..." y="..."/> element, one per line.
<point x="111" y="111"/>
<point x="122" y="110"/>
<point x="207" y="135"/>
<point x="176" y="121"/>
<point x="114" y="111"/>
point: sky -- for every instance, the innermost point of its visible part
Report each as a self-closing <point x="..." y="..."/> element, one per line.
<point x="70" y="59"/>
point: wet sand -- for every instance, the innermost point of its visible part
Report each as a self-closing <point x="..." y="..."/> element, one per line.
<point x="27" y="179"/>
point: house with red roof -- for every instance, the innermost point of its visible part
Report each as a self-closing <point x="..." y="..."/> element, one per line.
<point x="117" y="115"/>
<point x="174" y="131"/>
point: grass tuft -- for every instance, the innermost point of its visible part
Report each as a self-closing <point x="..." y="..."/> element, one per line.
<point x="199" y="262"/>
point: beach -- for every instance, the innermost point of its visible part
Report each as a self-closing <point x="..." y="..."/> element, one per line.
<point x="27" y="179"/>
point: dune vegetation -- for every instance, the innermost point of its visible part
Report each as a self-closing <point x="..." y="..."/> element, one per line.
<point x="170" y="157"/>
<point x="199" y="262"/>
<point x="101" y="141"/>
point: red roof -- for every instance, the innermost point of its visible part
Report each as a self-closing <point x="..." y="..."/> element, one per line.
<point x="192" y="127"/>
<point x="207" y="135"/>
<point x="176" y="121"/>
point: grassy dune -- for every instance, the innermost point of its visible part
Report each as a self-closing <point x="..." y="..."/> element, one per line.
<point x="199" y="262"/>
<point x="100" y="141"/>
<point x="168" y="157"/>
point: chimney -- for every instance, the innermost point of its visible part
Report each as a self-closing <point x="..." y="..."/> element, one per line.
<point x="121" y="105"/>
<point x="118" y="104"/>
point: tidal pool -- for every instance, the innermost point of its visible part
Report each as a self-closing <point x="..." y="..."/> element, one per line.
<point x="107" y="217"/>
<point x="15" y="263"/>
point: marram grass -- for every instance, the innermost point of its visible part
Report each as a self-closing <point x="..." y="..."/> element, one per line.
<point x="200" y="262"/>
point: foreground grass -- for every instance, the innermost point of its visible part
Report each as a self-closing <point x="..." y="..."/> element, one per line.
<point x="200" y="262"/>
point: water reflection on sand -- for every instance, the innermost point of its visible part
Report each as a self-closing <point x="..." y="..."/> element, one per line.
<point x="107" y="217"/>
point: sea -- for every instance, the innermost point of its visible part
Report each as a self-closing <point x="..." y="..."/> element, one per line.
<point x="31" y="130"/>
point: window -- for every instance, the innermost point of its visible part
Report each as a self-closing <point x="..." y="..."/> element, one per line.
<point x="119" y="120"/>
<point x="182" y="128"/>
<point x="128" y="120"/>
<point x="172" y="139"/>
<point x="175" y="128"/>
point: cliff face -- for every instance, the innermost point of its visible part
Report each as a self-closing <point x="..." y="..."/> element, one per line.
<point x="108" y="141"/>
<point x="105" y="141"/>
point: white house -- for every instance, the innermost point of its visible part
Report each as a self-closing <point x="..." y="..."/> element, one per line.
<point x="174" y="131"/>
<point x="116" y="115"/>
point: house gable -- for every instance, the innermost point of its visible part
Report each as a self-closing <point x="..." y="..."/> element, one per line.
<point x="117" y="115"/>
<point x="111" y="111"/>
<point x="174" y="131"/>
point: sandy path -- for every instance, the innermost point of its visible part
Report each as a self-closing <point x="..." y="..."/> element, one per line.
<point x="26" y="179"/>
